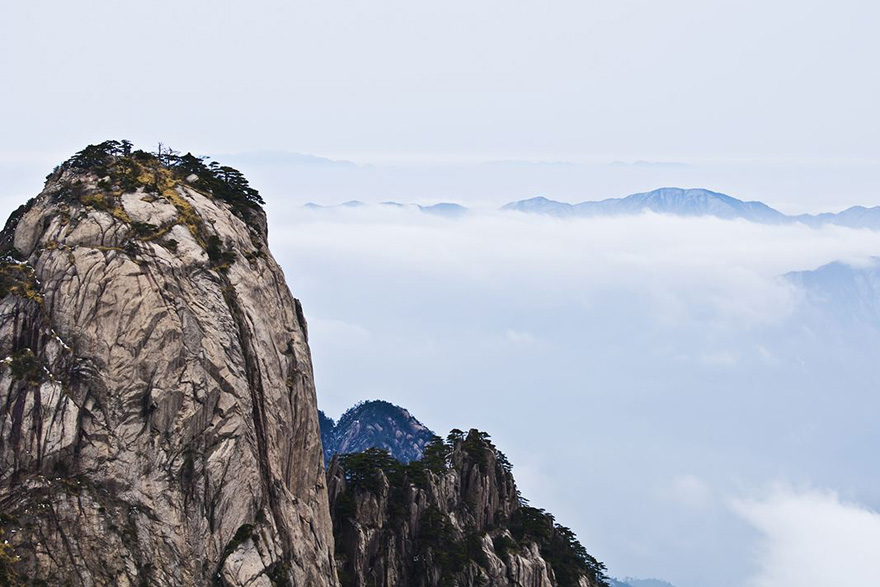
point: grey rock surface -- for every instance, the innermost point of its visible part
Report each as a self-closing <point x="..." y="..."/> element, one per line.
<point x="454" y="518"/>
<point x="158" y="420"/>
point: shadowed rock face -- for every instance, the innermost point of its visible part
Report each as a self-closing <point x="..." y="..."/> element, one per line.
<point x="158" y="422"/>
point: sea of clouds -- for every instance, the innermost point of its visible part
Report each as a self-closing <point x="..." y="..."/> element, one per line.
<point x="653" y="379"/>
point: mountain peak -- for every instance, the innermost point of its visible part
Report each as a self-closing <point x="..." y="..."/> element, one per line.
<point x="158" y="394"/>
<point x="676" y="193"/>
<point x="540" y="205"/>
<point x="375" y="424"/>
<point x="666" y="200"/>
<point x="448" y="209"/>
<point x="696" y="202"/>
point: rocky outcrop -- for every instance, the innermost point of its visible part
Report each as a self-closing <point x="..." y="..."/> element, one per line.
<point x="453" y="518"/>
<point x="375" y="424"/>
<point x="158" y="422"/>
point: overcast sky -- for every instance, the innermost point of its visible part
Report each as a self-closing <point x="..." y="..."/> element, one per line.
<point x="399" y="81"/>
<point x="716" y="441"/>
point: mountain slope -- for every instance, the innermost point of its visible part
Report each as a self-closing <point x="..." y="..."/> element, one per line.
<point x="449" y="210"/>
<point x="854" y="217"/>
<point x="841" y="294"/>
<point x="453" y="518"/>
<point x="375" y="424"/>
<point x="158" y="422"/>
<point x="541" y="205"/>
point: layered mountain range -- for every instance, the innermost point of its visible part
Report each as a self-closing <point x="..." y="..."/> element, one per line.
<point x="675" y="201"/>
<point x="669" y="200"/>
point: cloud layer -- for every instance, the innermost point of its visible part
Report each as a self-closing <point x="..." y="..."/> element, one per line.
<point x="634" y="369"/>
<point x="813" y="538"/>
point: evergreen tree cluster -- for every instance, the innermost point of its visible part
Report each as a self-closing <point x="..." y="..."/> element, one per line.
<point x="559" y="546"/>
<point x="126" y="166"/>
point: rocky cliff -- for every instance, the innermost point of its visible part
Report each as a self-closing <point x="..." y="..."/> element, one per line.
<point x="453" y="518"/>
<point x="375" y="424"/>
<point x="158" y="423"/>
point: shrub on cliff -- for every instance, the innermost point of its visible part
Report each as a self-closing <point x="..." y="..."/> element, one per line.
<point x="446" y="548"/>
<point x="130" y="169"/>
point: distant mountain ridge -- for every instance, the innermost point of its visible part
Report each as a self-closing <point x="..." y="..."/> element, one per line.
<point x="375" y="424"/>
<point x="695" y="202"/>
<point x="447" y="209"/>
<point x="842" y="293"/>
<point x="633" y="582"/>
<point x="676" y="201"/>
<point x="690" y="202"/>
<point x="853" y="217"/>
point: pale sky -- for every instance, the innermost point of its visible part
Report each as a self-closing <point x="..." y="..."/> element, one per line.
<point x="772" y="101"/>
<point x="596" y="80"/>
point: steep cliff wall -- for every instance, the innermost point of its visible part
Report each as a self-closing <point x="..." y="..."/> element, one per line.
<point x="453" y="518"/>
<point x="158" y="423"/>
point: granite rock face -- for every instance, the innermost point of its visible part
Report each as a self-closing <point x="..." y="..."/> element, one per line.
<point x="158" y="421"/>
<point x="453" y="518"/>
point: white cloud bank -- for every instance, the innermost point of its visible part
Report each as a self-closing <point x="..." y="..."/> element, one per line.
<point x="605" y="356"/>
<point x="813" y="538"/>
<point x="702" y="269"/>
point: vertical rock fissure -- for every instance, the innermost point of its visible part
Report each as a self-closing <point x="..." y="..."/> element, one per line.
<point x="258" y="397"/>
<point x="141" y="439"/>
